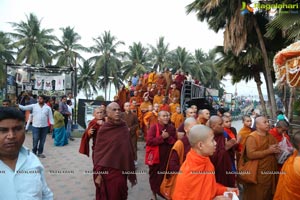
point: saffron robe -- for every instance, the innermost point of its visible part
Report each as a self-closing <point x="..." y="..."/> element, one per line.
<point x="165" y="146"/>
<point x="197" y="180"/>
<point x="113" y="155"/>
<point x="177" y="119"/>
<point x="158" y="99"/>
<point x="288" y="185"/>
<point x="174" y="163"/>
<point x="173" y="107"/>
<point x="243" y="133"/>
<point x="266" y="182"/>
<point x="222" y="162"/>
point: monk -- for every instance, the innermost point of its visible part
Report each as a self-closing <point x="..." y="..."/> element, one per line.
<point x="265" y="151"/>
<point x="136" y="98"/>
<point x="165" y="106"/>
<point x="132" y="123"/>
<point x="151" y="116"/>
<point x="203" y="116"/>
<point x="168" y="77"/>
<point x="91" y="132"/>
<point x="144" y="108"/>
<point x="152" y="92"/>
<point x="174" y="163"/>
<point x="158" y="98"/>
<point x="113" y="157"/>
<point x="288" y="185"/>
<point x="123" y="95"/>
<point x="161" y="82"/>
<point x="174" y="92"/>
<point x="197" y="180"/>
<point x="188" y="113"/>
<point x="244" y="132"/>
<point x="165" y="142"/>
<point x="173" y="105"/>
<point x="221" y="158"/>
<point x="177" y="118"/>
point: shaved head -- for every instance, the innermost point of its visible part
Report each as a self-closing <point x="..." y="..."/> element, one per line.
<point x="189" y="123"/>
<point x="198" y="133"/>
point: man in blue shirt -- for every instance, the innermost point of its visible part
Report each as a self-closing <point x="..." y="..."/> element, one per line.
<point x="21" y="172"/>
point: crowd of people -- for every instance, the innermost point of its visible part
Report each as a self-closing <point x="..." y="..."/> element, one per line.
<point x="190" y="155"/>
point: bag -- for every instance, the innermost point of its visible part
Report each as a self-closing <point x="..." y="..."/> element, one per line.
<point x="247" y="169"/>
<point x="152" y="152"/>
<point x="286" y="150"/>
<point x="168" y="184"/>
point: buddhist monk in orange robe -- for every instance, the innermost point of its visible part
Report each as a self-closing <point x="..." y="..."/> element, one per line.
<point x="161" y="82"/>
<point x="141" y="113"/>
<point x="177" y="118"/>
<point x="158" y="98"/>
<point x="136" y="98"/>
<point x="197" y="180"/>
<point x="173" y="105"/>
<point x="151" y="116"/>
<point x="288" y="185"/>
<point x="265" y="151"/>
<point x="174" y="93"/>
<point x="123" y="95"/>
<point x="244" y="132"/>
<point x="203" y="116"/>
<point x="168" y="77"/>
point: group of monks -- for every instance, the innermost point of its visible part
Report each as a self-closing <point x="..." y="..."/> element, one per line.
<point x="200" y="150"/>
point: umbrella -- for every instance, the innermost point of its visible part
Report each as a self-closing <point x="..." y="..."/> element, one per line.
<point x="287" y="65"/>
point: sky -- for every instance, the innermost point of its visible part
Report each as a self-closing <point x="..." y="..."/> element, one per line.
<point x="130" y="21"/>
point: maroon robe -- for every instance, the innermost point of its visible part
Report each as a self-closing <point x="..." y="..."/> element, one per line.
<point x="174" y="164"/>
<point x="85" y="139"/>
<point x="113" y="156"/>
<point x="165" y="146"/>
<point x="222" y="162"/>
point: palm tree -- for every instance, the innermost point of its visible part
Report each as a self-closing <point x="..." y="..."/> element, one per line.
<point x="159" y="54"/>
<point x="181" y="59"/>
<point x="226" y="14"/>
<point x="107" y="63"/>
<point x="67" y="50"/>
<point x="137" y="60"/>
<point x="6" y="56"/>
<point x="86" y="80"/>
<point x="202" y="66"/>
<point x="33" y="44"/>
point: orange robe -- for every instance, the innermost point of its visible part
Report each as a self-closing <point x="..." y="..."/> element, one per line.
<point x="266" y="182"/>
<point x="174" y="94"/>
<point x="191" y="184"/>
<point x="141" y="113"/>
<point x="173" y="107"/>
<point x="137" y="99"/>
<point x="161" y="83"/>
<point x="158" y="99"/>
<point x="123" y="97"/>
<point x="177" y="119"/>
<point x="288" y="185"/>
<point x="243" y="133"/>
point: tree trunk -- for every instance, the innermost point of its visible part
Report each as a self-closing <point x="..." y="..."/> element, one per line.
<point x="261" y="98"/>
<point x="267" y="69"/>
<point x="284" y="102"/>
<point x="291" y="103"/>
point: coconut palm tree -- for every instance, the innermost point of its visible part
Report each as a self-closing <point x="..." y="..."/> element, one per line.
<point x="6" y="56"/>
<point x="107" y="61"/>
<point x="202" y="66"/>
<point x="181" y="59"/>
<point x="136" y="60"/>
<point x="159" y="54"/>
<point x="225" y="14"/>
<point x="86" y="80"/>
<point x="33" y="43"/>
<point x="67" y="50"/>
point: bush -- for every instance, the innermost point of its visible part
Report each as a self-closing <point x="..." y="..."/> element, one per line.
<point x="99" y="98"/>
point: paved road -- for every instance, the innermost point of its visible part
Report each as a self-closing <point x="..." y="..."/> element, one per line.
<point x="68" y="172"/>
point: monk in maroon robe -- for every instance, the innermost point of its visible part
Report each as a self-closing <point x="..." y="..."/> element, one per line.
<point x="221" y="158"/>
<point x="165" y="141"/>
<point x="113" y="158"/>
<point x="91" y="132"/>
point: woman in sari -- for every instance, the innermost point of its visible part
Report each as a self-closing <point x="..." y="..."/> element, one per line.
<point x="59" y="131"/>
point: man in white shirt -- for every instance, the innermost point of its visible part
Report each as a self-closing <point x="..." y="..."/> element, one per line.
<point x="41" y="112"/>
<point x="21" y="172"/>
